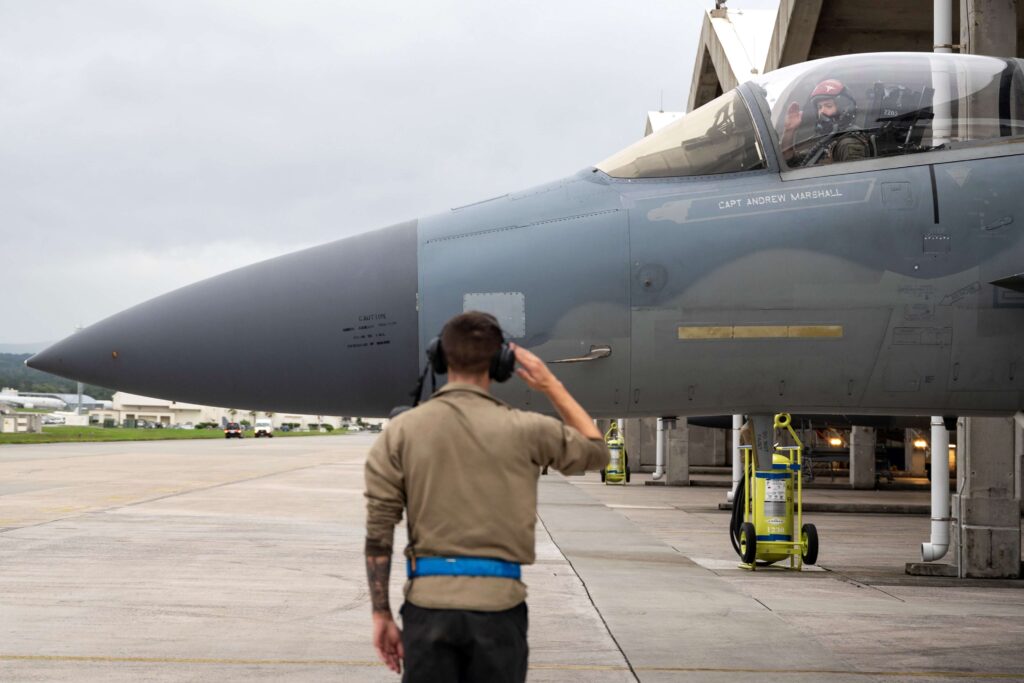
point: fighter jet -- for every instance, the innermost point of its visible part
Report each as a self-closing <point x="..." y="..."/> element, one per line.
<point x="836" y="237"/>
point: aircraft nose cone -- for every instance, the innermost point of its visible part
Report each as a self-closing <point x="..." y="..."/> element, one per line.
<point x="331" y="330"/>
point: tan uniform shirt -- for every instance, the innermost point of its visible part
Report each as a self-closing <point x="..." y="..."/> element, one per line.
<point x="465" y="465"/>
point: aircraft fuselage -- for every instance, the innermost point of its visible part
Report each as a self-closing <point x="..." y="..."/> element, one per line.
<point x="706" y="270"/>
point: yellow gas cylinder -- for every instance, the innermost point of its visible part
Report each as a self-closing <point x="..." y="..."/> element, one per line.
<point x="772" y="508"/>
<point x="773" y="500"/>
<point x="617" y="471"/>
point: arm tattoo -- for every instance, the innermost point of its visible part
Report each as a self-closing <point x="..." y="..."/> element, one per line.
<point x="378" y="574"/>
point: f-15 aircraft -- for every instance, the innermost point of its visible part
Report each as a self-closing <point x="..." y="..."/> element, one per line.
<point x="836" y="237"/>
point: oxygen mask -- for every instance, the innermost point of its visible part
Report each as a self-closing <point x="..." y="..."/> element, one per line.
<point x="826" y="125"/>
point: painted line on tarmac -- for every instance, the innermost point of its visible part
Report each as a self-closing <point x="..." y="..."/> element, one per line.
<point x="620" y="506"/>
<point x="545" y="667"/>
<point x="586" y="590"/>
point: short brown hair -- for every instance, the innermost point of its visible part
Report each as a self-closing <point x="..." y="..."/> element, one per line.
<point x="470" y="340"/>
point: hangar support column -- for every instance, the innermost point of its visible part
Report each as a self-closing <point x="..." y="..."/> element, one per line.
<point x="988" y="27"/>
<point x="641" y="440"/>
<point x="641" y="444"/>
<point x="677" y="455"/>
<point x="1019" y="450"/>
<point x="862" y="458"/>
<point x="987" y="509"/>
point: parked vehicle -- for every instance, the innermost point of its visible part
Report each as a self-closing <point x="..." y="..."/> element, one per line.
<point x="232" y="430"/>
<point x="264" y="427"/>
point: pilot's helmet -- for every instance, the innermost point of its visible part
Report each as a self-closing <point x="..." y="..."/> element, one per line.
<point x="829" y="88"/>
<point x="846" y="106"/>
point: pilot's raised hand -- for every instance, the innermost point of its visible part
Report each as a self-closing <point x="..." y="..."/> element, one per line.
<point x="793" y="116"/>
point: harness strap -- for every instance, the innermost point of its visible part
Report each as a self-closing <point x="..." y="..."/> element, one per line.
<point x="462" y="566"/>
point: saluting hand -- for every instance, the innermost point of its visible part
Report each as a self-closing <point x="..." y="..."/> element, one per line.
<point x="533" y="370"/>
<point x="538" y="376"/>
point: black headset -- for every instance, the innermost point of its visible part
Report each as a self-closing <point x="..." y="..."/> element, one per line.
<point x="503" y="363"/>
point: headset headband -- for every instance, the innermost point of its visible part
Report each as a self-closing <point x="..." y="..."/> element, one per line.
<point x="503" y="362"/>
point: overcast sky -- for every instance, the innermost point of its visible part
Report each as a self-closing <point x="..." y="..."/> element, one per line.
<point x="150" y="144"/>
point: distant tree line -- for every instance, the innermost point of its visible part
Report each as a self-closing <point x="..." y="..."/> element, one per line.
<point x="15" y="374"/>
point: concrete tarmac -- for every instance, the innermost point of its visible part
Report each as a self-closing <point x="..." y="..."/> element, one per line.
<point x="242" y="560"/>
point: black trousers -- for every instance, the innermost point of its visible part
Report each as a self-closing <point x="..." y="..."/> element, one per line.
<point x="461" y="645"/>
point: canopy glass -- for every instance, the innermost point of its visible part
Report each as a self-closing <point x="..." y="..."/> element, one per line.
<point x="891" y="104"/>
<point x="716" y="138"/>
<point x="839" y="110"/>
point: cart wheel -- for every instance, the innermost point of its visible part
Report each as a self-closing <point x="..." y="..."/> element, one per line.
<point x="627" y="474"/>
<point x="748" y="543"/>
<point x="809" y="543"/>
<point x="602" y="476"/>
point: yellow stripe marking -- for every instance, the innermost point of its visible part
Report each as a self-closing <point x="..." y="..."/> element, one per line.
<point x="706" y="332"/>
<point x="760" y="332"/>
<point x="546" y="667"/>
<point x="832" y="331"/>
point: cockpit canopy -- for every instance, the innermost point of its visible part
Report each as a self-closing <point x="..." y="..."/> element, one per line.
<point x="891" y="104"/>
<point x="717" y="138"/>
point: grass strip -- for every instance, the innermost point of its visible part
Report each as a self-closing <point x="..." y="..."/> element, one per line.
<point x="65" y="434"/>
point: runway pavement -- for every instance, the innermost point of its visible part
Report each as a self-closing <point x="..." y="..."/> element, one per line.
<point x="242" y="560"/>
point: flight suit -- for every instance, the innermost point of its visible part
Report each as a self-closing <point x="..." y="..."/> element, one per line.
<point x="849" y="147"/>
<point x="465" y="465"/>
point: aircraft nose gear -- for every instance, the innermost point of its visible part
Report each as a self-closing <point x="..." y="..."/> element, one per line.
<point x="768" y="507"/>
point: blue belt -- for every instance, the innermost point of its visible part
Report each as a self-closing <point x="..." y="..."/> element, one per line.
<point x="462" y="566"/>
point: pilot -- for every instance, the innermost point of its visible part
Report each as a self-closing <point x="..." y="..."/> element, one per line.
<point x="464" y="466"/>
<point x="836" y="111"/>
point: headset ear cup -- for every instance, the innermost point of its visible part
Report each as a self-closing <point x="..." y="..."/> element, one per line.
<point x="436" y="357"/>
<point x="503" y="364"/>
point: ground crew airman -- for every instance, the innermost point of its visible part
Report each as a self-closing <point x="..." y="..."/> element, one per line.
<point x="465" y="466"/>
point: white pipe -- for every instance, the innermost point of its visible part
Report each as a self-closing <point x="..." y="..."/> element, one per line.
<point x="1018" y="452"/>
<point x="942" y="123"/>
<point x="942" y="31"/>
<point x="939" y="544"/>
<point x="659" y="452"/>
<point x="737" y="456"/>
